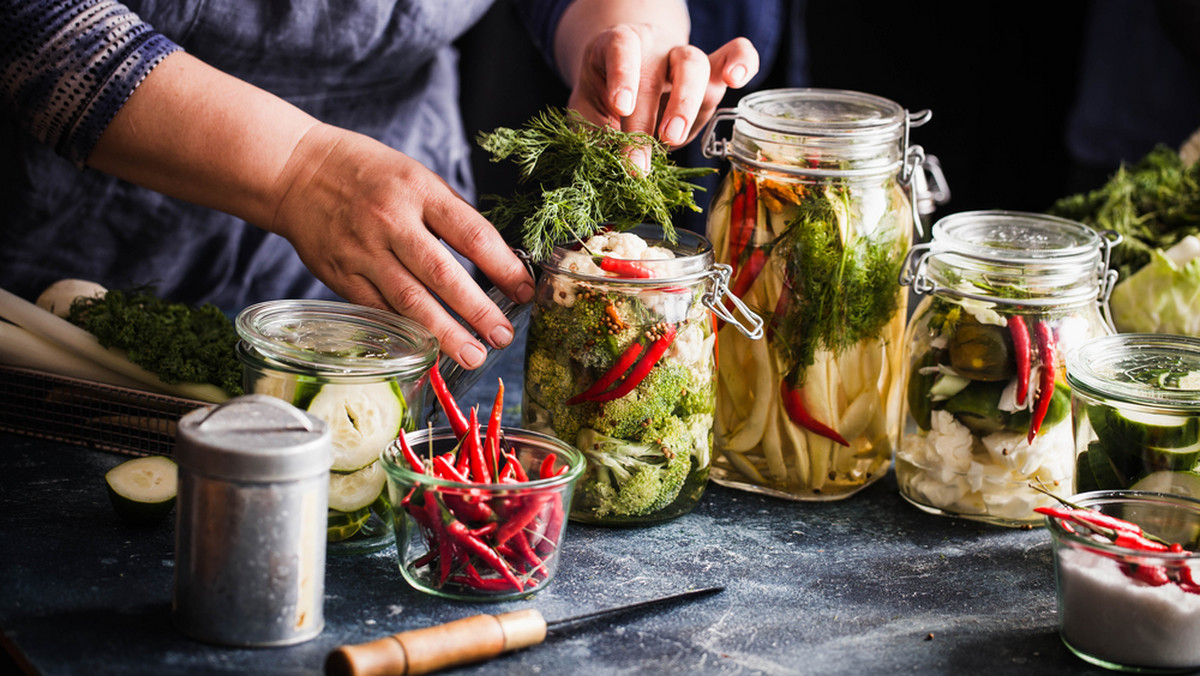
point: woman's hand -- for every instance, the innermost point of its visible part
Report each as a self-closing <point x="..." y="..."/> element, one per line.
<point x="366" y="220"/>
<point x="630" y="67"/>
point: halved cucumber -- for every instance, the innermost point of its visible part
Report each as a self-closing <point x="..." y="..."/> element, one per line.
<point x="363" y="420"/>
<point x="356" y="490"/>
<point x="1179" y="483"/>
<point x="1172" y="527"/>
<point x="341" y="525"/>
<point x="143" y="490"/>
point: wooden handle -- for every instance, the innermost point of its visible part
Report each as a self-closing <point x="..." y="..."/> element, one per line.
<point x="421" y="651"/>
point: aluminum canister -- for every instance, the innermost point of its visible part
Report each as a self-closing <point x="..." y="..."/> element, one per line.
<point x="250" y="529"/>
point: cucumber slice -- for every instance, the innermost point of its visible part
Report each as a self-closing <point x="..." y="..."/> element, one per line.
<point x="143" y="490"/>
<point x="356" y="490"/>
<point x="363" y="420"/>
<point x="1173" y="527"/>
<point x="342" y="525"/>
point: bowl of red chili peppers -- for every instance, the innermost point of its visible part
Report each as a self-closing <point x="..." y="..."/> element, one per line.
<point x="480" y="515"/>
<point x="1128" y="578"/>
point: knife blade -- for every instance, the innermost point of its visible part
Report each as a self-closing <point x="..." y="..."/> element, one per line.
<point x="471" y="639"/>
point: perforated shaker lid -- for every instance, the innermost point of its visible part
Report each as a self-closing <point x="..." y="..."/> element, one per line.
<point x="254" y="437"/>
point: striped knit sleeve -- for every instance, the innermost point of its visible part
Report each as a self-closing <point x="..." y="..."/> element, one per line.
<point x="67" y="67"/>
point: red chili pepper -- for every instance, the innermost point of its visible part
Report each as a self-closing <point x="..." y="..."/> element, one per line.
<point x="1155" y="576"/>
<point x="1021" y="350"/>
<point x="1139" y="542"/>
<point x="441" y="541"/>
<point x="474" y="449"/>
<point x="520" y="519"/>
<point x="518" y="470"/>
<point x="618" y="369"/>
<point x="1090" y="517"/>
<point x="744" y="217"/>
<point x="793" y="403"/>
<point x="624" y="268"/>
<point x="1187" y="579"/>
<point x="491" y="445"/>
<point x="454" y="415"/>
<point x="554" y="523"/>
<point x="781" y="307"/>
<point x="1046" y="350"/>
<point x="414" y="461"/>
<point x="462" y="536"/>
<point x="640" y="370"/>
<point x="442" y="469"/>
<point x="528" y="555"/>
<point x="546" y="470"/>
<point x="755" y="261"/>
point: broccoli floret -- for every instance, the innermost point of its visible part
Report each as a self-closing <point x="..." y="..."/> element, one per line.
<point x="592" y="331"/>
<point x="549" y="383"/>
<point x="627" y="478"/>
<point x="653" y="399"/>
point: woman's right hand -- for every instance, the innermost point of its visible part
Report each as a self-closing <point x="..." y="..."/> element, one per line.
<point x="366" y="220"/>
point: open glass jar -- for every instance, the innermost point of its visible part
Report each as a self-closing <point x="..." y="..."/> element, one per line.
<point x="620" y="362"/>
<point x="360" y="370"/>
<point x="1006" y="295"/>
<point x="814" y="217"/>
<point x="1136" y="406"/>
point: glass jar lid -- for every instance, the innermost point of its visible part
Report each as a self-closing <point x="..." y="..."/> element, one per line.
<point x="1012" y="256"/>
<point x="339" y="338"/>
<point x="1153" y="370"/>
<point x="816" y="132"/>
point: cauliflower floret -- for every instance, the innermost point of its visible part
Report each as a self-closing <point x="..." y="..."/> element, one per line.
<point x="580" y="262"/>
<point x="950" y="441"/>
<point x="657" y="253"/>
<point x="619" y="244"/>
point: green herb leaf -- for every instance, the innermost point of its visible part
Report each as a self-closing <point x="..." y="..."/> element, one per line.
<point x="579" y="181"/>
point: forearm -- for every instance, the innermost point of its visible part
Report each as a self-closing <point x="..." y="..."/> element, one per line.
<point x="584" y="19"/>
<point x="200" y="135"/>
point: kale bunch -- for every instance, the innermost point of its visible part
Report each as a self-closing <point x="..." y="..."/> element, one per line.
<point x="177" y="342"/>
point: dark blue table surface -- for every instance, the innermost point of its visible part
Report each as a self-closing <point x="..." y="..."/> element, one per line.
<point x="865" y="585"/>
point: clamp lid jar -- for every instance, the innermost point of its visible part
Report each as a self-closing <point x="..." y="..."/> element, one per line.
<point x="361" y="371"/>
<point x="1136" y="406"/>
<point x="1005" y="296"/>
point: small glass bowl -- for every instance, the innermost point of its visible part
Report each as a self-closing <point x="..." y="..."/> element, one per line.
<point x="1126" y="609"/>
<point x="508" y="544"/>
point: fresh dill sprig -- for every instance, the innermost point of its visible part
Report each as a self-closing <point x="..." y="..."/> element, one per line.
<point x="844" y="291"/>
<point x="1152" y="203"/>
<point x="575" y="179"/>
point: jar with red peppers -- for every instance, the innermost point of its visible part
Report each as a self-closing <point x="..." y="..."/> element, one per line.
<point x="1006" y="295"/>
<point x="814" y="217"/>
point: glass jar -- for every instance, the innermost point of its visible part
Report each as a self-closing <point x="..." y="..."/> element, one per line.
<point x="1006" y="295"/>
<point x="1135" y="402"/>
<point x="620" y="362"/>
<point x="362" y="372"/>
<point x="814" y="219"/>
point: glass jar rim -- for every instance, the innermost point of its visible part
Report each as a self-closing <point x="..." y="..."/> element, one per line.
<point x="692" y="263"/>
<point x="812" y="111"/>
<point x="1091" y="498"/>
<point x="1129" y="368"/>
<point x="397" y="345"/>
<point x="395" y="465"/>
<point x="1016" y="237"/>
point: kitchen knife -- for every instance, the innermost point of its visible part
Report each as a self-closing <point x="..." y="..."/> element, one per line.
<point x="471" y="639"/>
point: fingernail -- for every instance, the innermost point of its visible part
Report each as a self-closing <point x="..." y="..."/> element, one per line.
<point x="640" y="159"/>
<point x="501" y="336"/>
<point x="675" y="129"/>
<point x="524" y="292"/>
<point x="738" y="75"/>
<point x="471" y="355"/>
<point x="624" y="101"/>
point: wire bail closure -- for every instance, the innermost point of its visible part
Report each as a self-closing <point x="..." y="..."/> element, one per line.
<point x="719" y="275"/>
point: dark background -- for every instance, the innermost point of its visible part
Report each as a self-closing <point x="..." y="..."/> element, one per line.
<point x="998" y="77"/>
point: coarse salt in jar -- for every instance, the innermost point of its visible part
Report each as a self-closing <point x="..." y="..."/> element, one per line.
<point x="1005" y="296"/>
<point x="358" y="369"/>
<point x="814" y="217"/>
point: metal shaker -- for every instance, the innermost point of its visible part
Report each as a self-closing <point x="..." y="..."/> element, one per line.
<point x="250" y="529"/>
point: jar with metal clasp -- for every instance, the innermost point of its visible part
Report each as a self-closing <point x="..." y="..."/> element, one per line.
<point x="814" y="217"/>
<point x="1005" y="295"/>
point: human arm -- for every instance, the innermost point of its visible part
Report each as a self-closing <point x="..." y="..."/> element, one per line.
<point x="369" y="231"/>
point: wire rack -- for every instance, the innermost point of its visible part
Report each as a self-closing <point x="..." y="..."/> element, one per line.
<point x="87" y="413"/>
